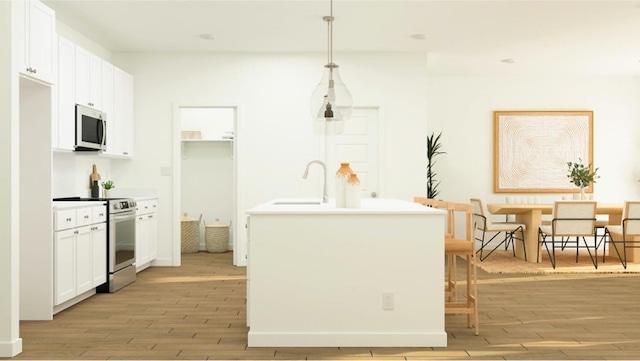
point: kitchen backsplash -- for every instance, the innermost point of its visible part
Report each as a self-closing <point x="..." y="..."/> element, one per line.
<point x="71" y="173"/>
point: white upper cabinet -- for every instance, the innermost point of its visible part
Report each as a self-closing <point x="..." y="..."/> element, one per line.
<point x="66" y="95"/>
<point x="88" y="79"/>
<point x="107" y="104"/>
<point x="39" y="41"/>
<point x="122" y="113"/>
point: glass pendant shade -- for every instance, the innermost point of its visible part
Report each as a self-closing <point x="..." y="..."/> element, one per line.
<point x="331" y="103"/>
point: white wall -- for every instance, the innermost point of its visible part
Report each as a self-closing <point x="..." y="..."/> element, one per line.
<point x="461" y="107"/>
<point x="275" y="138"/>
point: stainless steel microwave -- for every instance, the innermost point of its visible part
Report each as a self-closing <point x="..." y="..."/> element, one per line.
<point x="91" y="129"/>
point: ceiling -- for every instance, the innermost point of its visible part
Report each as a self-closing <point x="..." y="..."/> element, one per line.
<point x="460" y="37"/>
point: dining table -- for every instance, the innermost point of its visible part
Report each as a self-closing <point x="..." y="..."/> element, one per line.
<point x="531" y="216"/>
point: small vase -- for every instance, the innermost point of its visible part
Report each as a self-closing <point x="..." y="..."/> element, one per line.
<point x="352" y="190"/>
<point x="342" y="175"/>
<point x="582" y="195"/>
<point x="106" y="193"/>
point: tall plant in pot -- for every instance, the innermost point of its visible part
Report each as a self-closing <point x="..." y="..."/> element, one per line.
<point x="433" y="150"/>
<point x="581" y="175"/>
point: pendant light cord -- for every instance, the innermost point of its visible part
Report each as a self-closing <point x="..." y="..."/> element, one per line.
<point x="331" y="32"/>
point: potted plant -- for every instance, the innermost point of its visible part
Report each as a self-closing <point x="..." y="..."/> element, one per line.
<point x="108" y="186"/>
<point x="433" y="150"/>
<point x="582" y="175"/>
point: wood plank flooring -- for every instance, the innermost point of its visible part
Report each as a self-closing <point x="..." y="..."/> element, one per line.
<point x="197" y="311"/>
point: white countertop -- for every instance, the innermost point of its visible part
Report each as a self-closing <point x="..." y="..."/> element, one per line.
<point x="368" y="206"/>
<point x="76" y="204"/>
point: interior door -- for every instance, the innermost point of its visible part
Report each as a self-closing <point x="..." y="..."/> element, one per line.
<point x="358" y="146"/>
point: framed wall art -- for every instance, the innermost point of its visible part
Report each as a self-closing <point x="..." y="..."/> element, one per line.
<point x="532" y="148"/>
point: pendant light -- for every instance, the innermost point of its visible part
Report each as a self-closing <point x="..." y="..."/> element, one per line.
<point x="331" y="102"/>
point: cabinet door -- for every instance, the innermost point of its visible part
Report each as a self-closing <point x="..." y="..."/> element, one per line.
<point x="118" y="110"/>
<point x="123" y="112"/>
<point x="127" y="149"/>
<point x="64" y="266"/>
<point x="95" y="81"/>
<point x="66" y="94"/>
<point x="83" y="76"/>
<point x="142" y="241"/>
<point x="99" y="249"/>
<point x="88" y="79"/>
<point x="41" y="38"/>
<point x="152" y="221"/>
<point x="84" y="260"/>
<point x="107" y="104"/>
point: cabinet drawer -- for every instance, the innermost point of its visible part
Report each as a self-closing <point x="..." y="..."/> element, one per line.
<point x="99" y="214"/>
<point x="147" y="206"/>
<point x="65" y="219"/>
<point x="84" y="216"/>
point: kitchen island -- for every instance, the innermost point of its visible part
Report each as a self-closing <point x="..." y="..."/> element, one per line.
<point x="321" y="276"/>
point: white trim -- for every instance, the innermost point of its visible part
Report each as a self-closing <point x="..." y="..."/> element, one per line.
<point x="347" y="339"/>
<point x="10" y="349"/>
<point x="177" y="184"/>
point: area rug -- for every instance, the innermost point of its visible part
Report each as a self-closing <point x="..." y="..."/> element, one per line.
<point x="504" y="262"/>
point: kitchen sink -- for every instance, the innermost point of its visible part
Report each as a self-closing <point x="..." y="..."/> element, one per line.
<point x="294" y="202"/>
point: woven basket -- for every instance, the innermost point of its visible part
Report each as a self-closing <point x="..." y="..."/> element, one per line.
<point x="216" y="237"/>
<point x="190" y="234"/>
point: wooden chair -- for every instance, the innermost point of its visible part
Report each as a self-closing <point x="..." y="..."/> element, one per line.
<point x="450" y="290"/>
<point x="465" y="248"/>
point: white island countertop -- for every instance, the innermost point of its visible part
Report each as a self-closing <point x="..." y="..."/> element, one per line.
<point x="321" y="276"/>
<point x="367" y="206"/>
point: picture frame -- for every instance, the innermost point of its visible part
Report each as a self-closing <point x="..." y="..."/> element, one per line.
<point x="532" y="148"/>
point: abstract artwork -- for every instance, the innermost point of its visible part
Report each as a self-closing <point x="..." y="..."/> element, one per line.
<point x="532" y="148"/>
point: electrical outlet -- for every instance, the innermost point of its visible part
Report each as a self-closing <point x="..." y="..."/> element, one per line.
<point x="387" y="300"/>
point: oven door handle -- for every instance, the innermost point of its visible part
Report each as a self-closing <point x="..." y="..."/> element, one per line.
<point x="125" y="217"/>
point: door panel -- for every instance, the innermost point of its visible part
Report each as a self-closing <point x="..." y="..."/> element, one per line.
<point x="358" y="146"/>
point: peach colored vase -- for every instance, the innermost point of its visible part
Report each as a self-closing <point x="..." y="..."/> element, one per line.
<point x="342" y="175"/>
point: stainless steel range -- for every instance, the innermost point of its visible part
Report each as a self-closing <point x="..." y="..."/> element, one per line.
<point x="121" y="247"/>
<point x="121" y="241"/>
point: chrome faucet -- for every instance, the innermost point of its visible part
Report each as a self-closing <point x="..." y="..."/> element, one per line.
<point x="325" y="197"/>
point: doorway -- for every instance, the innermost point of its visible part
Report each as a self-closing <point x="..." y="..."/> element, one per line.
<point x="205" y="170"/>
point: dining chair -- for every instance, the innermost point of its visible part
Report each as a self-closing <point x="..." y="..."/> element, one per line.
<point x="571" y="219"/>
<point x="464" y="247"/>
<point x="624" y="235"/>
<point x="484" y="224"/>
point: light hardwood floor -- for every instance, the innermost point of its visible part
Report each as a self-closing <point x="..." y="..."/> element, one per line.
<point x="197" y="311"/>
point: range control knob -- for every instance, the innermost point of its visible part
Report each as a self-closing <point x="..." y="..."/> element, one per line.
<point x="117" y="205"/>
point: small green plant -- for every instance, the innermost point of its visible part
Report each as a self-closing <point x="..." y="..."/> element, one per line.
<point x="108" y="185"/>
<point x="582" y="175"/>
<point x="433" y="149"/>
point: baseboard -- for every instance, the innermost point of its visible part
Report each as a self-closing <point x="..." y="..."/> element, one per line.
<point x="162" y="262"/>
<point x="79" y="298"/>
<point x="11" y="349"/>
<point x="347" y="339"/>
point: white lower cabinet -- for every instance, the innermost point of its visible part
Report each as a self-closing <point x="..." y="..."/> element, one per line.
<point x="65" y="266"/>
<point x="80" y="253"/>
<point x="99" y="250"/>
<point x="146" y="233"/>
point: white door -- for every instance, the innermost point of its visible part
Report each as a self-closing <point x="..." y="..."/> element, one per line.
<point x="358" y="146"/>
